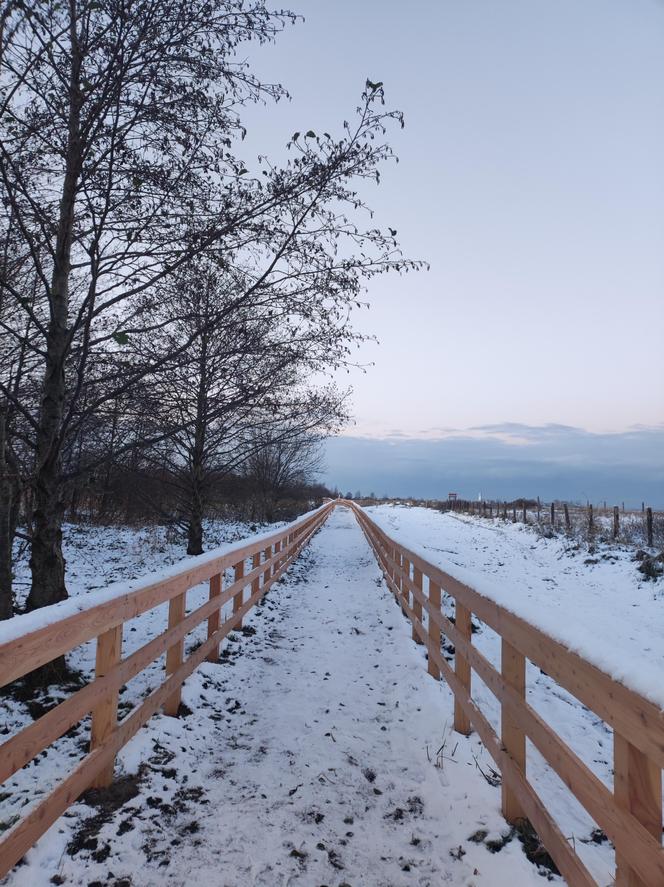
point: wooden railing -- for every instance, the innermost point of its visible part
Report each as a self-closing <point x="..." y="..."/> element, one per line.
<point x="269" y="558"/>
<point x="631" y="814"/>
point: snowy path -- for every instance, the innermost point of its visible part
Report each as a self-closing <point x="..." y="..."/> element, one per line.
<point x="309" y="759"/>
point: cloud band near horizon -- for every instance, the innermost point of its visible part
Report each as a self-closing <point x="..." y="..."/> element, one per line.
<point x="504" y="462"/>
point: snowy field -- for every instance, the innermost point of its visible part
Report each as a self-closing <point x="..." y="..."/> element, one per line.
<point x="317" y="752"/>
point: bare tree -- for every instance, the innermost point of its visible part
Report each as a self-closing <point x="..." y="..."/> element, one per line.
<point x="282" y="459"/>
<point x="117" y="120"/>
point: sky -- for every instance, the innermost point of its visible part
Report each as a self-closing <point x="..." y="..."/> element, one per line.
<point x="531" y="178"/>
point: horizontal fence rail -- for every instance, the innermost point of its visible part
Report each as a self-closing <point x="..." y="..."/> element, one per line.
<point x="268" y="559"/>
<point x="631" y="814"/>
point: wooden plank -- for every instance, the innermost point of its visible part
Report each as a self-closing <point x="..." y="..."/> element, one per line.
<point x="434" y="630"/>
<point x="105" y="713"/>
<point x="637" y="786"/>
<point x="513" y="667"/>
<point x="405" y="593"/>
<point x="238" y="571"/>
<point x="176" y="614"/>
<point x="267" y="554"/>
<point x="216" y="584"/>
<point x="463" y="624"/>
<point x="417" y="602"/>
<point x="256" y="562"/>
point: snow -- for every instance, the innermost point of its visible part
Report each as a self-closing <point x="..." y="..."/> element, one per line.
<point x="318" y="751"/>
<point x="598" y="605"/>
<point x="25" y="623"/>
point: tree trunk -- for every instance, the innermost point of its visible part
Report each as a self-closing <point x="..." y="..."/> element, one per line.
<point x="47" y="563"/>
<point x="195" y="531"/>
<point x="197" y="455"/>
<point x="7" y="517"/>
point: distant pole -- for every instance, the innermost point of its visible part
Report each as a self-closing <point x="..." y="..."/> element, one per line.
<point x="616" y="521"/>
<point x="590" y="519"/>
<point x="649" y="525"/>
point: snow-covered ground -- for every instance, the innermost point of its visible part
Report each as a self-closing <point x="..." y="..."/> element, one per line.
<point x="597" y="603"/>
<point x="317" y="752"/>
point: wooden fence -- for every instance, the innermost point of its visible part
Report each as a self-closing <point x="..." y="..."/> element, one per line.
<point x="592" y="522"/>
<point x="269" y="558"/>
<point x="631" y="814"/>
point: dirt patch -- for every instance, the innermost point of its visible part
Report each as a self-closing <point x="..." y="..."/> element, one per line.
<point x="108" y="801"/>
<point x="532" y="846"/>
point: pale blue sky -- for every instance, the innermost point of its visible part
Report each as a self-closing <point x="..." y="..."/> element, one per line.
<point x="531" y="178"/>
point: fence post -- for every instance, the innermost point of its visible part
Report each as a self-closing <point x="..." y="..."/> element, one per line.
<point x="105" y="714"/>
<point x="405" y="593"/>
<point x="591" y="524"/>
<point x="463" y="623"/>
<point x="649" y="525"/>
<point x="525" y="519"/>
<point x="214" y="618"/>
<point x="434" y="629"/>
<point x="568" y="525"/>
<point x="256" y="562"/>
<point x="637" y="787"/>
<point x="553" y="515"/>
<point x="616" y="521"/>
<point x="176" y="611"/>
<point x="398" y="580"/>
<point x="513" y="669"/>
<point x="238" y="597"/>
<point x="267" y="552"/>
<point x="417" y="606"/>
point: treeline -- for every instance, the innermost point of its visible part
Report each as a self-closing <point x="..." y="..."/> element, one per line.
<point x="166" y="306"/>
<point x="277" y="481"/>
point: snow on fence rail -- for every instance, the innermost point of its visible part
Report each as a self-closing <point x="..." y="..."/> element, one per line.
<point x="270" y="556"/>
<point x="631" y="815"/>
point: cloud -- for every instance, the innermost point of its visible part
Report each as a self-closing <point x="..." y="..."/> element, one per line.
<point x="505" y="460"/>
